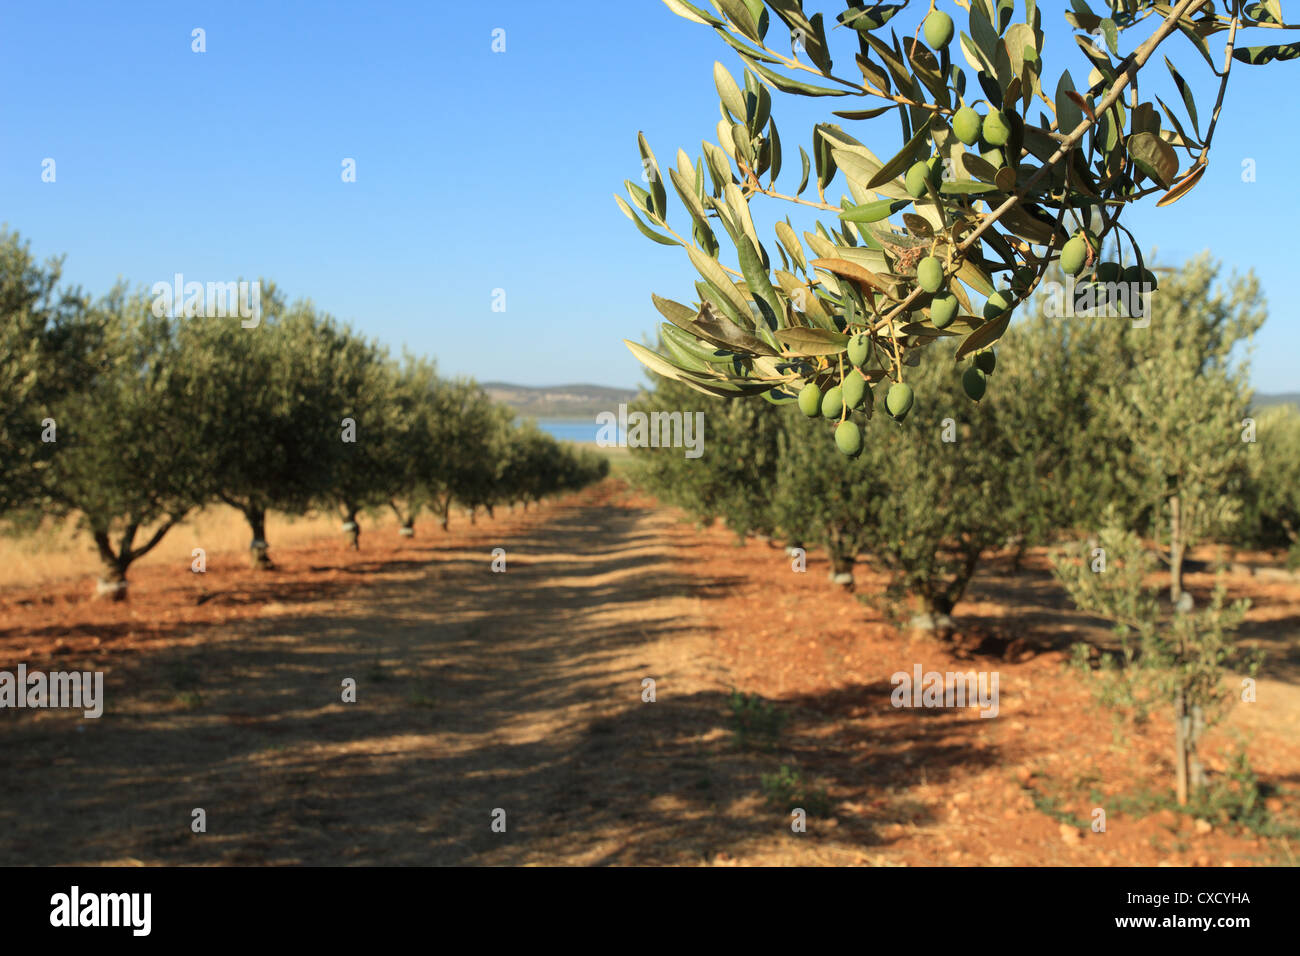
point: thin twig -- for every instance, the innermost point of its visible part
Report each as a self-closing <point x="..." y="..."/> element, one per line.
<point x="1223" y="86"/>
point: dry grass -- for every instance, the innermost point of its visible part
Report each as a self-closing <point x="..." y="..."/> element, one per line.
<point x="61" y="552"/>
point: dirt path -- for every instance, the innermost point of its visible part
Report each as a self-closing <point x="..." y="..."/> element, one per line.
<point x="475" y="691"/>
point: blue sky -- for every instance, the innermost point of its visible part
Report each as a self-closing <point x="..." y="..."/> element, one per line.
<point x="476" y="170"/>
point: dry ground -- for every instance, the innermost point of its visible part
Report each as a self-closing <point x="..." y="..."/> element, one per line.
<point x="523" y="691"/>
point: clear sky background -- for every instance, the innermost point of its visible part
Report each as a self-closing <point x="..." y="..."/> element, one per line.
<point x="479" y="170"/>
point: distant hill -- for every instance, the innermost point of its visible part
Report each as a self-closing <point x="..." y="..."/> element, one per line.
<point x="1263" y="400"/>
<point x="559" y="401"/>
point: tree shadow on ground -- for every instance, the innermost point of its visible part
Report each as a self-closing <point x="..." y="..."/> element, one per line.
<point x="474" y="692"/>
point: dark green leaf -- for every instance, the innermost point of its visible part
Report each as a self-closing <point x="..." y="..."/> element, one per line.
<point x="985" y="335"/>
<point x="905" y="158"/>
<point x="739" y="15"/>
<point x="776" y="152"/>
<point x="744" y="48"/>
<point x="1188" y="99"/>
<point x="759" y="282"/>
<point x="1154" y="157"/>
<point x="1266" y="54"/>
<point x="874" y="211"/>
<point x="1199" y="43"/>
<point x="1068" y="113"/>
<point x="869" y="19"/>
<point x="825" y="161"/>
<point x="983" y="34"/>
<point x="864" y="114"/>
<point x="816" y="46"/>
<point x="874" y="75"/>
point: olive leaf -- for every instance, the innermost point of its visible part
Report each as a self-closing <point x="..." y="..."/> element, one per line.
<point x="803" y="341"/>
<point x="1154" y="157"/>
<point x="1182" y="187"/>
<point x="645" y="230"/>
<point x="874" y="211"/>
<point x="1266" y="54"/>
<point x="985" y="335"/>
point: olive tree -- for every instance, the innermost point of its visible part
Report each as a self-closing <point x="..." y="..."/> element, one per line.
<point x="945" y="498"/>
<point x="1060" y="451"/>
<point x="1177" y="657"/>
<point x="818" y="499"/>
<point x="361" y="415"/>
<point x="481" y="470"/>
<point x="532" y="466"/>
<point x="468" y="429"/>
<point x="998" y="170"/>
<point x="733" y="475"/>
<point x="421" y="413"/>
<point x="1181" y="409"/>
<point x="127" y="462"/>
<point x="1182" y="406"/>
<point x="43" y="351"/>
<point x="263" y="396"/>
<point x="1271" y="515"/>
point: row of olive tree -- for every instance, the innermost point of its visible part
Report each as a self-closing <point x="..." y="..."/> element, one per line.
<point x="925" y="501"/>
<point x="1128" y="440"/>
<point x="130" y="421"/>
<point x="1045" y="456"/>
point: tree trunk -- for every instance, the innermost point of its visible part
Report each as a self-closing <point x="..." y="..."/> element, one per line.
<point x="258" y="556"/>
<point x="1181" y="748"/>
<point x="1175" y="549"/>
<point x="112" y="570"/>
<point x="353" y="530"/>
<point x="112" y="581"/>
<point x="1195" y="771"/>
<point x="1018" y="555"/>
<point x="406" y="522"/>
<point x="841" y="567"/>
<point x="933" y="617"/>
<point x="841" y="563"/>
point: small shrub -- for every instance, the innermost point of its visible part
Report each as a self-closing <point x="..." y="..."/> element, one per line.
<point x="786" y="789"/>
<point x="755" y="721"/>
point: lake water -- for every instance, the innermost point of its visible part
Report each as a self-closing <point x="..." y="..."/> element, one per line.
<point x="575" y="430"/>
